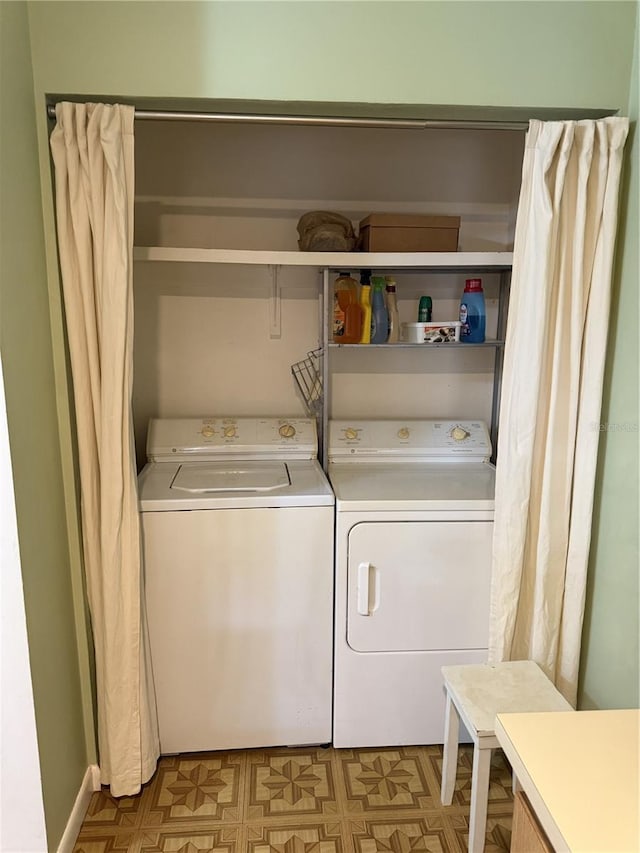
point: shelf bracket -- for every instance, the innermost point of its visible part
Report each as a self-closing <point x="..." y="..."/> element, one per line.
<point x="275" y="317"/>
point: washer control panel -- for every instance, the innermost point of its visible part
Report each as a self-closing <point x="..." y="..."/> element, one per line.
<point x="410" y="438"/>
<point x="223" y="437"/>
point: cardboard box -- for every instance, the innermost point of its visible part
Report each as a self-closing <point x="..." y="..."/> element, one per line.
<point x="398" y="232"/>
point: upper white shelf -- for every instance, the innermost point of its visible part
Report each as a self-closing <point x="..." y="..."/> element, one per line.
<point x="333" y="260"/>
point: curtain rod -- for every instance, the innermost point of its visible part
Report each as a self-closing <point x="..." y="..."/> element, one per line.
<point x="248" y="118"/>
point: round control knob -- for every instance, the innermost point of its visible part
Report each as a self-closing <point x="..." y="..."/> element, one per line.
<point x="287" y="431"/>
<point x="459" y="433"/>
<point x="207" y="431"/>
<point x="351" y="433"/>
<point x="403" y="432"/>
<point x="229" y="432"/>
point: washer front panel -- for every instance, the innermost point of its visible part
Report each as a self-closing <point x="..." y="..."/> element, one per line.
<point x="240" y="606"/>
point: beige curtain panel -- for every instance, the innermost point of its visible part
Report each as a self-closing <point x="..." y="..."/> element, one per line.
<point x="93" y="153"/>
<point x="552" y="393"/>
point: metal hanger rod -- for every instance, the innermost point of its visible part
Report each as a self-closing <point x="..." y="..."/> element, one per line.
<point x="332" y="121"/>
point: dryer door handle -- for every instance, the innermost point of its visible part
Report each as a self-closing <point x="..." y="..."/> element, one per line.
<point x="364" y="573"/>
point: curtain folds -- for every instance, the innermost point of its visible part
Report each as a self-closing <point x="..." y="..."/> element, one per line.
<point x="552" y="392"/>
<point x="93" y="153"/>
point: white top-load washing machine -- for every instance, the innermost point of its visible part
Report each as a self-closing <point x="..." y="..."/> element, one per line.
<point x="237" y="523"/>
<point x="414" y="524"/>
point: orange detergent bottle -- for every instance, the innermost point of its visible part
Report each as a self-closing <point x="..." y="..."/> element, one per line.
<point x="347" y="312"/>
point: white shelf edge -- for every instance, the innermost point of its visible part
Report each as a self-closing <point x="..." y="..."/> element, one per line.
<point x="333" y="260"/>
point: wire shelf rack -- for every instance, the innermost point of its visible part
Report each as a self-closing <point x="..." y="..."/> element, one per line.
<point x="308" y="376"/>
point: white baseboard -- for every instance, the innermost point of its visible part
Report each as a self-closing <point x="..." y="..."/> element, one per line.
<point x="90" y="783"/>
<point x="95" y="777"/>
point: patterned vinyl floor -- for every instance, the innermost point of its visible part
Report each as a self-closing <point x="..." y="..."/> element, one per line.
<point x="303" y="800"/>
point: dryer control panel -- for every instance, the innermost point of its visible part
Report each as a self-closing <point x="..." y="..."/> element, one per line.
<point x="411" y="439"/>
<point x="231" y="438"/>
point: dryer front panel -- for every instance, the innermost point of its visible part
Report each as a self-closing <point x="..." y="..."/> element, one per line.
<point x="418" y="585"/>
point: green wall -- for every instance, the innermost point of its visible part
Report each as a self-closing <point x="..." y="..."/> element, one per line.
<point x="25" y="341"/>
<point x="610" y="652"/>
<point x="537" y="54"/>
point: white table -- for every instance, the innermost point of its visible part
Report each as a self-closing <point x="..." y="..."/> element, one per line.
<point x="580" y="773"/>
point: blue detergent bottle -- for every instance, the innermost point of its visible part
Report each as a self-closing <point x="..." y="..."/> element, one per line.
<point x="472" y="312"/>
<point x="379" y="313"/>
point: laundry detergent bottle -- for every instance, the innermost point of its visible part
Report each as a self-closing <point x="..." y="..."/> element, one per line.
<point x="347" y="313"/>
<point x="472" y="312"/>
<point x="392" y="307"/>
<point x="365" y="304"/>
<point x="379" y="313"/>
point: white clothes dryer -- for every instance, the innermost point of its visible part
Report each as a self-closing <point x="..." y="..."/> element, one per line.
<point x="237" y="524"/>
<point x="414" y="527"/>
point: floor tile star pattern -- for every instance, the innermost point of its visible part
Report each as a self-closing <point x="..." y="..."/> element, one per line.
<point x="300" y="800"/>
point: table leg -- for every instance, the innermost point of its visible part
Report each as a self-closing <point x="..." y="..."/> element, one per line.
<point x="479" y="798"/>
<point x="450" y="752"/>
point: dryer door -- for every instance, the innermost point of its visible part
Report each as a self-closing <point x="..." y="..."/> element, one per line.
<point x="419" y="585"/>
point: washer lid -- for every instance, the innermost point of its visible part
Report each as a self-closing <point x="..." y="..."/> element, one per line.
<point x="211" y="477"/>
<point x="178" y="485"/>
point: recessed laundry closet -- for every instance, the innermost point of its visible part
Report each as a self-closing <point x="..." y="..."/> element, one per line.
<point x="227" y="309"/>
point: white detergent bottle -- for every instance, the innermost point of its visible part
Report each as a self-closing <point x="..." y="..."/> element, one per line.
<point x="392" y="309"/>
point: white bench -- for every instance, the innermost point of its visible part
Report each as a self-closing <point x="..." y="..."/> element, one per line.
<point x="475" y="694"/>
